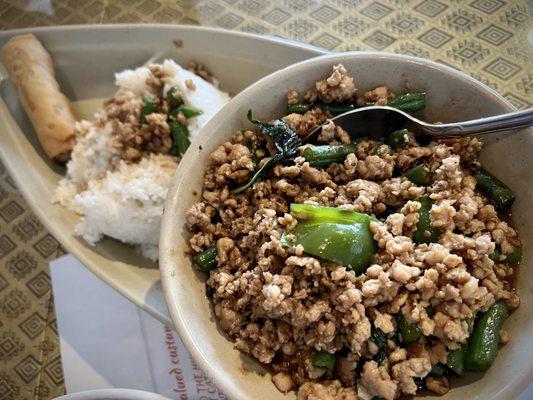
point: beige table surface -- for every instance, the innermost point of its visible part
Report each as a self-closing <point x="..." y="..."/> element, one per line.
<point x="486" y="38"/>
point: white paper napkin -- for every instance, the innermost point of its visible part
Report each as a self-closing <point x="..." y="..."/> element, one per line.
<point x="106" y="341"/>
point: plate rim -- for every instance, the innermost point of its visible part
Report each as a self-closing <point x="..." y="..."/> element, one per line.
<point x="66" y="239"/>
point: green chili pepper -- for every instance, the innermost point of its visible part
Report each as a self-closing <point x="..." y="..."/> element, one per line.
<point x="323" y="359"/>
<point x="149" y="107"/>
<point x="300" y="108"/>
<point x="173" y="97"/>
<point x="188" y="111"/>
<point x="333" y="234"/>
<point x="500" y="194"/>
<point x="206" y="260"/>
<point x="409" y="333"/>
<point x="483" y="345"/>
<point x="438" y="370"/>
<point x="180" y="135"/>
<point x="319" y="156"/>
<point x="336" y="108"/>
<point x="425" y="233"/>
<point x="397" y="138"/>
<point x="456" y="360"/>
<point x="419" y="175"/>
<point x="409" y="102"/>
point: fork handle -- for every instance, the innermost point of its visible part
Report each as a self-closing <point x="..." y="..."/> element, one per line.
<point x="497" y="123"/>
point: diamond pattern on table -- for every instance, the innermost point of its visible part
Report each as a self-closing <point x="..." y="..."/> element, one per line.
<point x="33" y="326"/>
<point x="351" y="27"/>
<point x="404" y="24"/>
<point x="325" y="14"/>
<point x="376" y="11"/>
<point x="487" y="6"/>
<point x="21" y="264"/>
<point x="27" y="228"/>
<point x="525" y="84"/>
<point x="40" y="284"/>
<point x="9" y="390"/>
<point x="462" y="21"/>
<point x="468" y="52"/>
<point x="494" y="35"/>
<point x="326" y="41"/>
<point x="379" y="40"/>
<point x="431" y="8"/>
<point x="6" y="245"/>
<point x="47" y="246"/>
<point x="301" y="29"/>
<point x="435" y="38"/>
<point x="502" y="68"/>
<point x="517" y="101"/>
<point x="14" y="303"/>
<point x="54" y="370"/>
<point x="28" y="369"/>
<point x="515" y="17"/>
<point x="276" y="16"/>
<point x="10" y="346"/>
<point x="253" y="7"/>
<point x="10" y="211"/>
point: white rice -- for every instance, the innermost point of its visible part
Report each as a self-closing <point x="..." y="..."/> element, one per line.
<point x="125" y="201"/>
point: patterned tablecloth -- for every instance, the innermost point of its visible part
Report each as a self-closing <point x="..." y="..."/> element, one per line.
<point x="486" y="38"/>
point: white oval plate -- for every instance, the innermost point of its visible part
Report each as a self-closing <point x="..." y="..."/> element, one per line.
<point x="86" y="58"/>
<point x="452" y="96"/>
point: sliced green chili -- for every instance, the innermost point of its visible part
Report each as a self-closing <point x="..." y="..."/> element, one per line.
<point x="419" y="175"/>
<point x="206" y="260"/>
<point x="323" y="359"/>
<point x="180" y="136"/>
<point x="497" y="191"/>
<point x="425" y="233"/>
<point x="149" y="107"/>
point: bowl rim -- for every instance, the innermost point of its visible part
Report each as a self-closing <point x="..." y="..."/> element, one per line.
<point x="166" y="264"/>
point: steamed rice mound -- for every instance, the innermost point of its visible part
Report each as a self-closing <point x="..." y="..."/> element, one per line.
<point x="120" y="169"/>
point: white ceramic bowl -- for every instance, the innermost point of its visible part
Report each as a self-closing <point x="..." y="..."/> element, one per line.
<point x="112" y="394"/>
<point x="452" y="96"/>
<point x="86" y="57"/>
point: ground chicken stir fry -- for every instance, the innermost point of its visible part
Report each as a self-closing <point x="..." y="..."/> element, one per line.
<point x="442" y="255"/>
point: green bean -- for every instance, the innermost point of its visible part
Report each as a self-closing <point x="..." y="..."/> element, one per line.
<point x="336" y="108"/>
<point x="514" y="256"/>
<point x="456" y="360"/>
<point x="299" y="108"/>
<point x="419" y="175"/>
<point x="173" y="97"/>
<point x="319" y="156"/>
<point x="409" y="102"/>
<point x="149" y="107"/>
<point x="397" y="138"/>
<point x="188" y="111"/>
<point x="206" y="260"/>
<point x="483" y="345"/>
<point x="409" y="333"/>
<point x="425" y="233"/>
<point x="438" y="369"/>
<point x="323" y="359"/>
<point x="497" y="191"/>
<point x="180" y="135"/>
